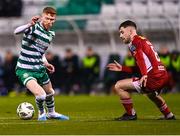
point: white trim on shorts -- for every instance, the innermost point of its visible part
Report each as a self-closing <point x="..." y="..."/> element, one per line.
<point x="137" y="86"/>
<point x="27" y="79"/>
<point x="46" y="82"/>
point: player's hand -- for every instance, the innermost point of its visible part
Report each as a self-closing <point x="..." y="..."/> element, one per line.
<point x="114" y="66"/>
<point x="50" y="67"/>
<point x="34" y="20"/>
<point x="143" y="81"/>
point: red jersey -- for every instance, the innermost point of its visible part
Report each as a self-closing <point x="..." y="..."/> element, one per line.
<point x="146" y="57"/>
<point x="148" y="63"/>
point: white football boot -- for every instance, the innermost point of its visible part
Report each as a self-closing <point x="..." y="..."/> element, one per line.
<point x="42" y="117"/>
<point x="55" y="115"/>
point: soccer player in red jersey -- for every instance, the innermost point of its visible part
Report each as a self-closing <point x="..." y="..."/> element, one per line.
<point x="153" y="74"/>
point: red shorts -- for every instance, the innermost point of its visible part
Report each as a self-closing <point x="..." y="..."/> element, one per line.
<point x="155" y="82"/>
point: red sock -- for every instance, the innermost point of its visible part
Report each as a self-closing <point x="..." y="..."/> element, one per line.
<point x="164" y="109"/>
<point x="160" y="103"/>
<point x="128" y="105"/>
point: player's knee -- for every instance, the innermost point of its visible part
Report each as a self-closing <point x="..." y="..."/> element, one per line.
<point x="52" y="91"/>
<point x="118" y="87"/>
<point x="40" y="93"/>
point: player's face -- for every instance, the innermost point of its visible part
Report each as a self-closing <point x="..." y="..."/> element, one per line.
<point x="48" y="20"/>
<point x="124" y="34"/>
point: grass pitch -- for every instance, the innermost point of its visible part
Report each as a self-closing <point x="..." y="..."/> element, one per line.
<point x="91" y="115"/>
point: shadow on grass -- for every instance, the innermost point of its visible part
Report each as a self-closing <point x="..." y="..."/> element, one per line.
<point x="138" y="120"/>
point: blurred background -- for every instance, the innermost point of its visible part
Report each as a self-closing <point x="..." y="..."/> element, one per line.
<point x="87" y="39"/>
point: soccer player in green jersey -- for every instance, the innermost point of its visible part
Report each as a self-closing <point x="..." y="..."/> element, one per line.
<point x="32" y="64"/>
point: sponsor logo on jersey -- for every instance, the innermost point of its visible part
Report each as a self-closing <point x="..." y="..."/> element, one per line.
<point x="132" y="48"/>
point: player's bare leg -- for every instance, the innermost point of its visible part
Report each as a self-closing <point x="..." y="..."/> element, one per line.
<point x="122" y="89"/>
<point x="40" y="95"/>
<point x="50" y="103"/>
<point x="161" y="104"/>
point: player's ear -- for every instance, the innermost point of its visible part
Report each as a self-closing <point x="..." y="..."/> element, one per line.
<point x="130" y="30"/>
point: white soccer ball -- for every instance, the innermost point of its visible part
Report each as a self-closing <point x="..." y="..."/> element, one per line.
<point x="25" y="111"/>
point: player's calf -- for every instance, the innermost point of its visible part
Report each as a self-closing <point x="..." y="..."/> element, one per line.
<point x="161" y="104"/>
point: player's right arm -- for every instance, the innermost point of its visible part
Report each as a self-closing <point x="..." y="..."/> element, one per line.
<point x="24" y="28"/>
<point x="114" y="66"/>
<point x="118" y="67"/>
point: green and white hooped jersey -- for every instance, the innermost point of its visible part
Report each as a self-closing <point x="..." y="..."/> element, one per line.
<point x="34" y="44"/>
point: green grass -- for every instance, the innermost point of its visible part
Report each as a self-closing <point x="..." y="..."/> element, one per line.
<point x="91" y="115"/>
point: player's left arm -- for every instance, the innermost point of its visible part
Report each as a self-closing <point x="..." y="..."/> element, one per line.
<point x="141" y="64"/>
<point x="49" y="66"/>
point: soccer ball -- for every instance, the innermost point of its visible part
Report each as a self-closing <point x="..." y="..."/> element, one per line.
<point x="25" y="111"/>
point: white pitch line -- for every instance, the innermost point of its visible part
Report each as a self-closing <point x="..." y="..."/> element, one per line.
<point x="8" y="118"/>
<point x="24" y="123"/>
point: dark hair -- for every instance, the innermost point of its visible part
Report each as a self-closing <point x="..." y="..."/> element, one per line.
<point x="128" y="23"/>
<point x="49" y="10"/>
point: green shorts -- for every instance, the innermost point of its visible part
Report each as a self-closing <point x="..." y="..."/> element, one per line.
<point x="25" y="75"/>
